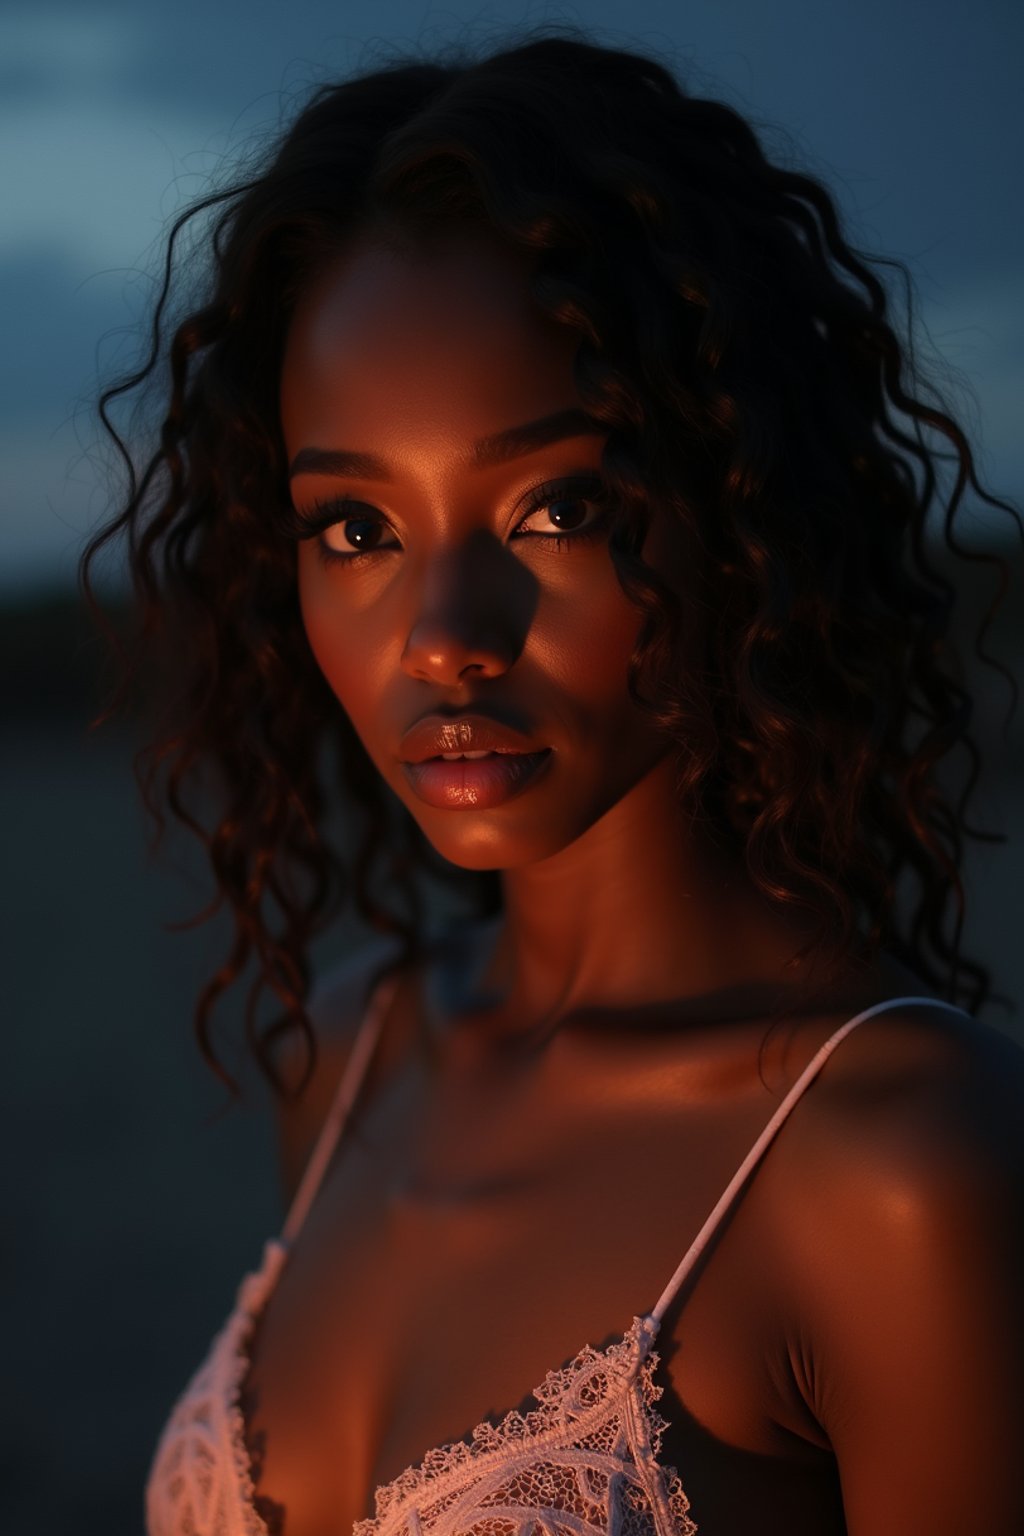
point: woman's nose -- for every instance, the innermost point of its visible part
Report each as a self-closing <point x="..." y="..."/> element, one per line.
<point x="471" y="607"/>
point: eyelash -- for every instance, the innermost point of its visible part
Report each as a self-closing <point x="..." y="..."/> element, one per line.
<point x="323" y="514"/>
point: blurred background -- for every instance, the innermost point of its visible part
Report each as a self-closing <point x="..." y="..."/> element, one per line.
<point x="136" y="1195"/>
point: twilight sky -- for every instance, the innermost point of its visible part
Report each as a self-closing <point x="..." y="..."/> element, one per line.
<point x="112" y="116"/>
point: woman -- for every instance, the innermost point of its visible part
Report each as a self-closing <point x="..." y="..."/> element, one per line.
<point x="534" y="415"/>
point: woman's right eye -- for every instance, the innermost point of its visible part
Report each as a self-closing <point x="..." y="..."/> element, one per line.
<point x="346" y="522"/>
<point x="361" y="529"/>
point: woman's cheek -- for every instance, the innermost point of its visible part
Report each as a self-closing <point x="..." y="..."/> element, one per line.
<point x="324" y="621"/>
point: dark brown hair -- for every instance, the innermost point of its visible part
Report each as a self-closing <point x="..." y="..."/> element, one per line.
<point x="744" y="360"/>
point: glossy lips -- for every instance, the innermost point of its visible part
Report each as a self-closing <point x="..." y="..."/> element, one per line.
<point x="469" y="784"/>
<point x="435" y="734"/>
<point x="475" y="785"/>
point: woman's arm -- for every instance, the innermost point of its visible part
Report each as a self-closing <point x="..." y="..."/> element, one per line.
<point x="909" y="1260"/>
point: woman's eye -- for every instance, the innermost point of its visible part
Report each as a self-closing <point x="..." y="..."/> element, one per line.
<point x="359" y="533"/>
<point x="573" y="511"/>
<point x="565" y="507"/>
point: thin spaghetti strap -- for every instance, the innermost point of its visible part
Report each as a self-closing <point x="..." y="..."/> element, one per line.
<point x="762" y="1143"/>
<point x="344" y="1098"/>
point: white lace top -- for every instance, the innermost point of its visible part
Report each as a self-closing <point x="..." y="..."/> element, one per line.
<point x="584" y="1462"/>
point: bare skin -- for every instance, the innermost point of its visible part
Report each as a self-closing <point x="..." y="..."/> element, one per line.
<point x="611" y="895"/>
<point x="530" y="1184"/>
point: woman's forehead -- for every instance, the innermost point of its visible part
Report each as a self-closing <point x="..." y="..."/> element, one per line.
<point x="452" y="325"/>
<point x="375" y="290"/>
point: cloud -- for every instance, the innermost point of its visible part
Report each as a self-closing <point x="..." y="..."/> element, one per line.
<point x="977" y="330"/>
<point x="95" y="182"/>
<point x="59" y="333"/>
<point x="49" y="48"/>
<point x="51" y="497"/>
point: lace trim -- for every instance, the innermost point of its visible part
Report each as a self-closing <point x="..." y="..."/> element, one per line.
<point x="595" y="1424"/>
<point x="576" y="1403"/>
<point x="253" y="1294"/>
<point x="188" y="1489"/>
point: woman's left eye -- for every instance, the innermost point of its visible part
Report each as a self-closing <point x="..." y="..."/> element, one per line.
<point x="566" y="504"/>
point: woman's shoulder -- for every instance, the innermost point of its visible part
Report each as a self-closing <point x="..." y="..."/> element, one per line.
<point x="909" y="1148"/>
<point x="896" y="1217"/>
<point x="915" y="1069"/>
<point x="912" y="1061"/>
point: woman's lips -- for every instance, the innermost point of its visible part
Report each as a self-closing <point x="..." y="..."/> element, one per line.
<point x="475" y="784"/>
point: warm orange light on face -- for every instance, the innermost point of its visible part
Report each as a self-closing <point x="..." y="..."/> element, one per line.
<point x="423" y="402"/>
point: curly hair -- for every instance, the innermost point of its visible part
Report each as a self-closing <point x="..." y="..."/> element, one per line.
<point x="743" y="359"/>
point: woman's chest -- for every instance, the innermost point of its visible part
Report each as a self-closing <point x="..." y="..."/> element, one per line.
<point x="463" y="1245"/>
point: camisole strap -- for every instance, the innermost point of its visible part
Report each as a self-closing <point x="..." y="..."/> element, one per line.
<point x="345" y="1096"/>
<point x="763" y="1142"/>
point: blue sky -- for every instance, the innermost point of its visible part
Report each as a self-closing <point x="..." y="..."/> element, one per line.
<point x="114" y="115"/>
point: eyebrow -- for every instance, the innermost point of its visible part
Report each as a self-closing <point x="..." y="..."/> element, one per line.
<point x="496" y="449"/>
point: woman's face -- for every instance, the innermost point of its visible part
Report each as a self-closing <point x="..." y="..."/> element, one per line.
<point x="401" y="374"/>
